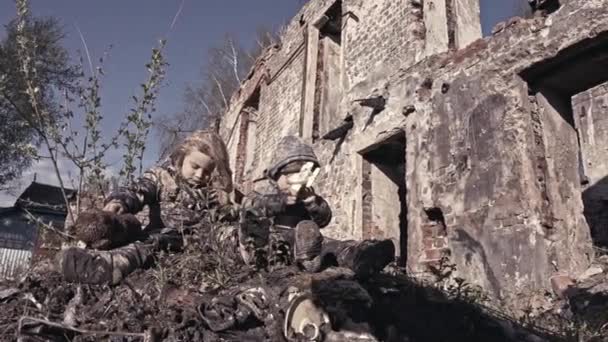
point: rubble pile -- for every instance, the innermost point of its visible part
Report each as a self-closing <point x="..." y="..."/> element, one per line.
<point x="178" y="296"/>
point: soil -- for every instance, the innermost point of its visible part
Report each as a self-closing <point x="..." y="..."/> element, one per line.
<point x="162" y="303"/>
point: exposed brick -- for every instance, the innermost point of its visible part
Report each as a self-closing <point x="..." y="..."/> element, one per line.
<point x="472" y="148"/>
<point x="436" y="253"/>
<point x="440" y="242"/>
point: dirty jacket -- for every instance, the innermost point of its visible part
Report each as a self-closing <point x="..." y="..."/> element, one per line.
<point x="265" y="215"/>
<point x="266" y="201"/>
<point x="172" y="202"/>
<point x="268" y="224"/>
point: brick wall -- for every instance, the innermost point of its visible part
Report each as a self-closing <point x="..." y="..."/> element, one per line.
<point x="367" y="200"/>
<point x="434" y="237"/>
<point x="279" y="76"/>
<point x="279" y="113"/>
<point x="386" y="35"/>
<point x="241" y="150"/>
<point x="382" y="35"/>
<point x="472" y="146"/>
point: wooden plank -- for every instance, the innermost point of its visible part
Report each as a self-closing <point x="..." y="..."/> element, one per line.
<point x="310" y="78"/>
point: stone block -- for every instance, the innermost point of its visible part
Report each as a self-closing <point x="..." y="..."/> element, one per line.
<point x="563" y="286"/>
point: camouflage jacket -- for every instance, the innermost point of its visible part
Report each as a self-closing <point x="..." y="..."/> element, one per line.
<point x="266" y="201"/>
<point x="172" y="203"/>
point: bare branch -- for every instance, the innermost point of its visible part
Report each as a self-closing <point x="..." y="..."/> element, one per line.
<point x="86" y="48"/>
<point x="221" y="90"/>
<point x="235" y="61"/>
<point x="47" y="226"/>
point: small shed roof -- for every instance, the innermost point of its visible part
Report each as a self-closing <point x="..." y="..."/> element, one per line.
<point x="39" y="196"/>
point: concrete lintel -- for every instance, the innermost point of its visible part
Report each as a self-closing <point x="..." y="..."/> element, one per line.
<point x="382" y="138"/>
<point x="363" y="140"/>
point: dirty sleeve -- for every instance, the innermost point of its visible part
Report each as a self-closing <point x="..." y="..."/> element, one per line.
<point x="141" y="192"/>
<point x="257" y="211"/>
<point x="319" y="211"/>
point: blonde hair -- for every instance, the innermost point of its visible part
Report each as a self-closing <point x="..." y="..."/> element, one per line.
<point x="211" y="144"/>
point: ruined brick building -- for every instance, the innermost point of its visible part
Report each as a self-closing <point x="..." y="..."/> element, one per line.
<point x="488" y="151"/>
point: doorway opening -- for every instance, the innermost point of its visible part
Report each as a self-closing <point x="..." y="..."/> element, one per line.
<point x="384" y="206"/>
<point x="571" y="90"/>
<point x="246" y="144"/>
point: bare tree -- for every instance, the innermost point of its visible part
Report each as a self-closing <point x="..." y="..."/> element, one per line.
<point x="204" y="103"/>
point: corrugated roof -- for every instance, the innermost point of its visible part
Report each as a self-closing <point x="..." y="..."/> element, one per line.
<point x="13" y="262"/>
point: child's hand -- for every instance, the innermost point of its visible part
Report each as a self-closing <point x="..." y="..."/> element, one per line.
<point x="307" y="195"/>
<point x="115" y="206"/>
<point x="304" y="179"/>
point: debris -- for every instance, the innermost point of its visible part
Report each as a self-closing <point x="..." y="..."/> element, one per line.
<point x="377" y="102"/>
<point x="407" y="110"/>
<point x="305" y="318"/>
<point x="30" y="297"/>
<point x="239" y="304"/>
<point x="590" y="272"/>
<point x="30" y="326"/>
<point x="563" y="286"/>
<point x="7" y="293"/>
<point x="341" y="130"/>
<point x="69" y="316"/>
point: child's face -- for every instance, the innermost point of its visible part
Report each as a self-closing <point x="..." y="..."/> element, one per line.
<point x="296" y="177"/>
<point x="285" y="184"/>
<point x="197" y="168"/>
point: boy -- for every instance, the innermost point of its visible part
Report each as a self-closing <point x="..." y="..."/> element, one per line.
<point x="286" y="213"/>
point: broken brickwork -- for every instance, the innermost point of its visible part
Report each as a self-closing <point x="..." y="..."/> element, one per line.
<point x="503" y="135"/>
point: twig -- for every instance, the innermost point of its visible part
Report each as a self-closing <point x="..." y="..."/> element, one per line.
<point x="204" y="103"/>
<point x="86" y="49"/>
<point x="76" y="330"/>
<point x="31" y="298"/>
<point x="69" y="315"/>
<point x="219" y="87"/>
<point x="234" y="60"/>
<point x="47" y="226"/>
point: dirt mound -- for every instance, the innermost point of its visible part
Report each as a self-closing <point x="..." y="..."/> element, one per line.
<point x="177" y="297"/>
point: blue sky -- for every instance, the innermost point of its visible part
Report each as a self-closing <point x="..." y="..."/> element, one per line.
<point x="133" y="27"/>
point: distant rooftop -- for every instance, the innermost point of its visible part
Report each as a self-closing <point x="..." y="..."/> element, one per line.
<point x="43" y="196"/>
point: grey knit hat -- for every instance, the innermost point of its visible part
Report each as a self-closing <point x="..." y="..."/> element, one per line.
<point x="290" y="149"/>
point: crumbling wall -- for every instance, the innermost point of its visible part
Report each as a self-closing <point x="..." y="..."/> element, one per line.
<point x="484" y="187"/>
<point x="378" y="38"/>
<point x="279" y="110"/>
<point x="278" y="76"/>
<point x="473" y="151"/>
